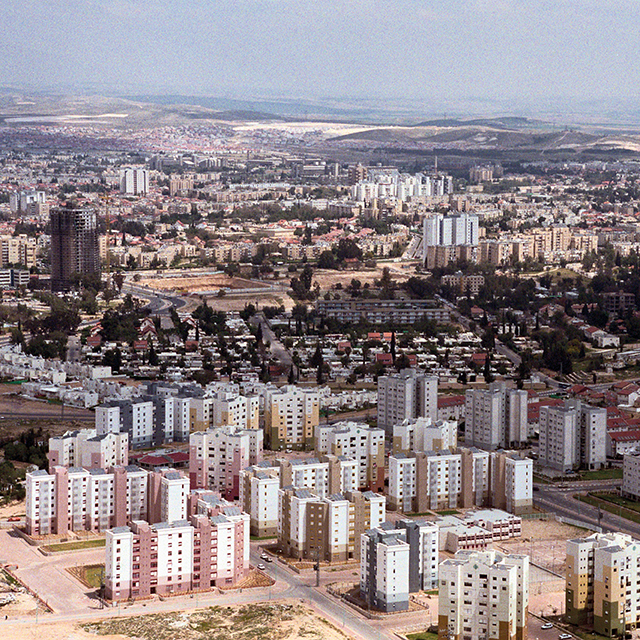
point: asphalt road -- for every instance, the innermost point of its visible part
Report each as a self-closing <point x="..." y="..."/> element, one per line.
<point x="560" y="500"/>
<point x="278" y="350"/>
<point x="159" y="303"/>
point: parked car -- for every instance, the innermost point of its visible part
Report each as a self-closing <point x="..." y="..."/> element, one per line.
<point x="546" y="625"/>
<point x="565" y="636"/>
<point x="262" y="568"/>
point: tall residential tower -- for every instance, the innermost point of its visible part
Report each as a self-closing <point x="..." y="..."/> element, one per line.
<point x="74" y="246"/>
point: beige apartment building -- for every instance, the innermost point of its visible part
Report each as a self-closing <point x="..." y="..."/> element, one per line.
<point x="328" y="529"/>
<point x="291" y="415"/>
<point x="483" y="595"/>
<point x="603" y="582"/>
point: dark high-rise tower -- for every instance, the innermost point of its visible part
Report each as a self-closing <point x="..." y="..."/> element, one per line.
<point x="74" y="246"/>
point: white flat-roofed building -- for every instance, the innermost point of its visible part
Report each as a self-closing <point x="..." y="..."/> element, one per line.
<point x="408" y="395"/>
<point x="328" y="528"/>
<point x="397" y="561"/>
<point x="572" y="436"/>
<point x="425" y="434"/>
<point x="259" y="498"/>
<point x="84" y="448"/>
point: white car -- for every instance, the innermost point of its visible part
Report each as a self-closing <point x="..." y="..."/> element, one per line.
<point x="262" y="568"/>
<point x="263" y="556"/>
<point x="546" y="625"/>
<point x="565" y="636"/>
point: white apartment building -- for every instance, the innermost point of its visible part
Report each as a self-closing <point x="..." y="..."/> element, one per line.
<point x="134" y="417"/>
<point x="290" y="416"/>
<point x="134" y="181"/>
<point x="397" y="561"/>
<point x="331" y="474"/>
<point x="483" y="595"/>
<point x="144" y="559"/>
<point x="174" y="491"/>
<point x="359" y="442"/>
<point x="443" y="230"/>
<point x="450" y="479"/>
<point x="218" y="456"/>
<point x="402" y="482"/>
<point x="631" y="475"/>
<point x="409" y="394"/>
<point x="231" y="408"/>
<point x="496" y="417"/>
<point x="259" y="498"/>
<point x="425" y="434"/>
<point x="84" y="448"/>
<point x="572" y="436"/>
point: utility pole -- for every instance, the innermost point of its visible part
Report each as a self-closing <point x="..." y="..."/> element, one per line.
<point x="316" y="566"/>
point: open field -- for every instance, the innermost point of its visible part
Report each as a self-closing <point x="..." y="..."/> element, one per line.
<point x="13" y="509"/>
<point x="278" y="621"/>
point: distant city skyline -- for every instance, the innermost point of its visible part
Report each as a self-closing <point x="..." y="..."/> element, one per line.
<point x="537" y="55"/>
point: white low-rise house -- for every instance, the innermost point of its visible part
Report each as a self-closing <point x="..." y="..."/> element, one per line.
<point x="620" y="443"/>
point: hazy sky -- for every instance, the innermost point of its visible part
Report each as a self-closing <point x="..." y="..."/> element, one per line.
<point x="534" y="50"/>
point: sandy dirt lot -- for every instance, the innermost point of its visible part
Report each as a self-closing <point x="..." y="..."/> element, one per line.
<point x="544" y="541"/>
<point x="194" y="283"/>
<point x="260" y="300"/>
<point x="16" y="508"/>
<point x="276" y="621"/>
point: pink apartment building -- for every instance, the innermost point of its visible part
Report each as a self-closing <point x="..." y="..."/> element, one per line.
<point x="218" y="455"/>
<point x="76" y="499"/>
<point x="178" y="557"/>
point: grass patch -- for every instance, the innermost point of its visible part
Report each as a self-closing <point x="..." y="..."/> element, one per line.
<point x="601" y="474"/>
<point x="94" y="543"/>
<point x="9" y="579"/>
<point x="91" y="575"/>
<point x="448" y="512"/>
<point x="258" y="538"/>
<point x="614" y="498"/>
<point x="605" y="505"/>
<point x="422" y="635"/>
